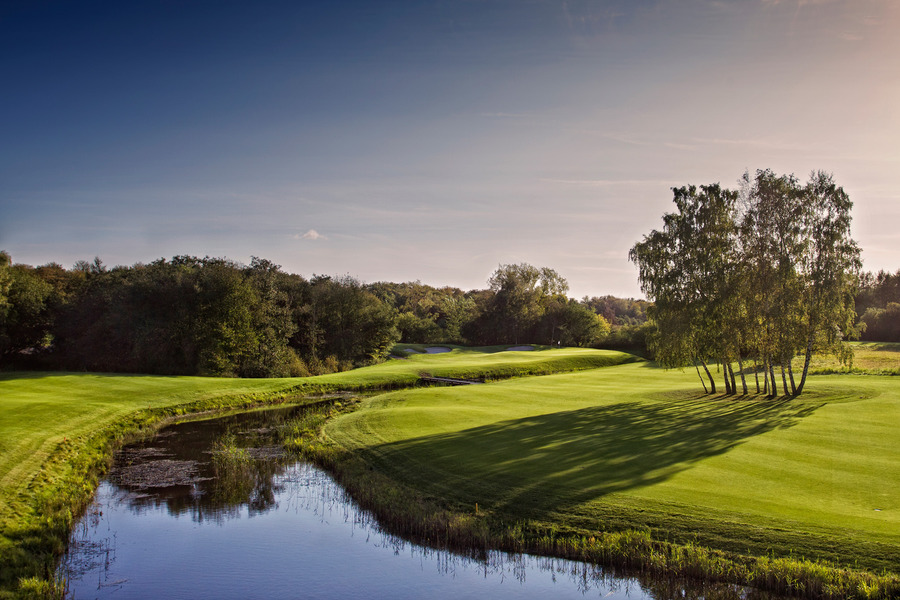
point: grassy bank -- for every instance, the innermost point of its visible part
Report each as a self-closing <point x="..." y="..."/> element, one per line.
<point x="58" y="431"/>
<point x="489" y="363"/>
<point x="629" y="464"/>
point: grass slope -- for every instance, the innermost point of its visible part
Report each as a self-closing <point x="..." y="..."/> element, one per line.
<point x="637" y="446"/>
<point x="491" y="363"/>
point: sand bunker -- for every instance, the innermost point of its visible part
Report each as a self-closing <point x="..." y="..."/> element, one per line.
<point x="429" y="350"/>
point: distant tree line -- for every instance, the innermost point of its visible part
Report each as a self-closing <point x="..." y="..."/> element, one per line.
<point x="878" y="306"/>
<point x="763" y="273"/>
<point x="627" y="318"/>
<point x="190" y="316"/>
<point x="523" y="304"/>
<point x="212" y="316"/>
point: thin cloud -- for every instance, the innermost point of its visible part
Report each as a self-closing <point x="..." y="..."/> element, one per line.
<point x="503" y="115"/>
<point x="758" y="143"/>
<point x="312" y="234"/>
<point x="608" y="182"/>
<point x="677" y="146"/>
<point x="799" y="3"/>
<point x="850" y="37"/>
<point x="632" y="141"/>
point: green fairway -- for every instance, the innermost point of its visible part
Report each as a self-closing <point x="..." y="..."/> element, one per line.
<point x="38" y="411"/>
<point x="492" y="362"/>
<point x="634" y="445"/>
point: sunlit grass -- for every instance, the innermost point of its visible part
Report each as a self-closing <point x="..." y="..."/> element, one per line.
<point x="492" y="362"/>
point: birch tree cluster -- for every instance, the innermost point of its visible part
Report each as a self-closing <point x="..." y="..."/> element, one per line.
<point x="750" y="278"/>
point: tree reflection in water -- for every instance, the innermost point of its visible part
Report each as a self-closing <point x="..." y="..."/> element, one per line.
<point x="209" y="469"/>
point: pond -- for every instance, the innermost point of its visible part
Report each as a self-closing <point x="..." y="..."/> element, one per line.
<point x="213" y="509"/>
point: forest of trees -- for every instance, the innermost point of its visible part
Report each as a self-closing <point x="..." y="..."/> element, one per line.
<point x="878" y="306"/>
<point x="763" y="273"/>
<point x="213" y="316"/>
<point x="189" y="316"/>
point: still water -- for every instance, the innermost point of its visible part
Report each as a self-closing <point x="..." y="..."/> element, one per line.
<point x="175" y="520"/>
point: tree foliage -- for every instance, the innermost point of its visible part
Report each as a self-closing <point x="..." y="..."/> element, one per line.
<point x="26" y="303"/>
<point x="878" y="304"/>
<point x="212" y="316"/>
<point x="688" y="269"/>
<point x="766" y="272"/>
<point x="190" y="316"/>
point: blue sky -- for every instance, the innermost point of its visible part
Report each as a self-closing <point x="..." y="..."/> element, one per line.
<point x="429" y="140"/>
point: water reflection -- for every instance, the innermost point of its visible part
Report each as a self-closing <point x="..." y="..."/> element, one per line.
<point x="209" y="469"/>
<point x="214" y="509"/>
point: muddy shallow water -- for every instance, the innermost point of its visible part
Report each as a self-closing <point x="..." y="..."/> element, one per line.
<point x="213" y="509"/>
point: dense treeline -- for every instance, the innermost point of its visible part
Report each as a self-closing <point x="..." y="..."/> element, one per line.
<point x="627" y="317"/>
<point x="213" y="316"/>
<point x="523" y="303"/>
<point x="878" y="306"/>
<point x="190" y="316"/>
<point x="764" y="273"/>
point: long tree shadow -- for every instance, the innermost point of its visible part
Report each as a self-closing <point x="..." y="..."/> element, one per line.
<point x="566" y="458"/>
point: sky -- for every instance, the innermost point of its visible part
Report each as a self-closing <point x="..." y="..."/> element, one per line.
<point x="429" y="140"/>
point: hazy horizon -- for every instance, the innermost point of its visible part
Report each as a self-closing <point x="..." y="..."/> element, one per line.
<point x="431" y="141"/>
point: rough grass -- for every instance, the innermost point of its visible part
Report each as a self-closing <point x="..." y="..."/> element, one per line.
<point x="634" y="447"/>
<point x="869" y="358"/>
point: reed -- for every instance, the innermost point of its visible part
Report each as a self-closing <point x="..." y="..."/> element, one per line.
<point x="35" y="588"/>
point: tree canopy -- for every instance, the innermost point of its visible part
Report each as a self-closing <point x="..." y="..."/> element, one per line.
<point x="213" y="316"/>
<point x="765" y="272"/>
<point x="878" y="304"/>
